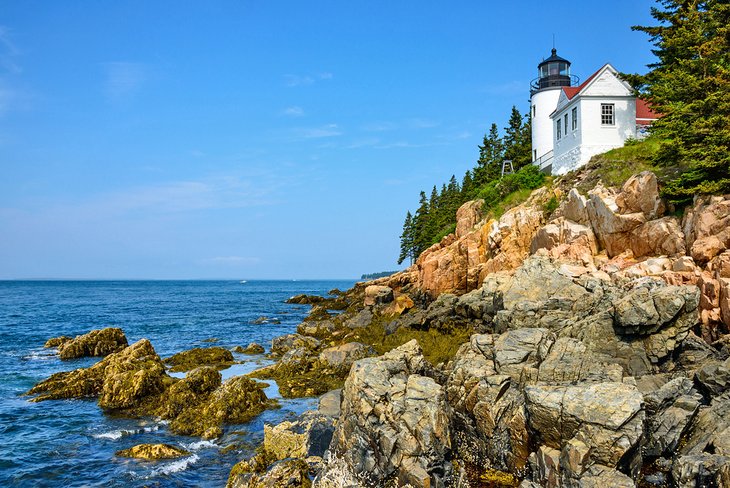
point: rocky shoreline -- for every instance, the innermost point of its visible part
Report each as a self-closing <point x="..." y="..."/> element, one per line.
<point x="583" y="347"/>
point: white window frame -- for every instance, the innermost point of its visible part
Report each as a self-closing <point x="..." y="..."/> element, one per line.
<point x="574" y="118"/>
<point x="608" y="114"/>
<point x="560" y="129"/>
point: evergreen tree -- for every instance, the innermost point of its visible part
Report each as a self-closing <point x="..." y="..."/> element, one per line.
<point x="517" y="143"/>
<point x="421" y="239"/>
<point x="491" y="152"/>
<point x="467" y="187"/>
<point x="407" y="240"/>
<point x="690" y="85"/>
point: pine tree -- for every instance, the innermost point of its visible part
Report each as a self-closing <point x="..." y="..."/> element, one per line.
<point x="407" y="240"/>
<point x="421" y="239"/>
<point x="467" y="186"/>
<point x="491" y="153"/>
<point x="517" y="143"/>
<point x="690" y="85"/>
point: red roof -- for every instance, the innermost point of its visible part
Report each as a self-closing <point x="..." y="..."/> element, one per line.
<point x="644" y="112"/>
<point x="571" y="91"/>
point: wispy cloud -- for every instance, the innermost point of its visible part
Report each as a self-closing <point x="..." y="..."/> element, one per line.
<point x="8" y="53"/>
<point x="380" y="126"/>
<point x="123" y="79"/>
<point x="293" y="111"/>
<point x="329" y="130"/>
<point x="232" y="261"/>
<point x="309" y="79"/>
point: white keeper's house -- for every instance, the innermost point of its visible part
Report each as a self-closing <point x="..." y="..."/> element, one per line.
<point x="572" y="122"/>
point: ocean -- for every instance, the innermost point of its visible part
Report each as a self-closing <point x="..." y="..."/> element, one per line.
<point x="72" y="442"/>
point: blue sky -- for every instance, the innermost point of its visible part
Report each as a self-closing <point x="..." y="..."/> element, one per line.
<point x="249" y="140"/>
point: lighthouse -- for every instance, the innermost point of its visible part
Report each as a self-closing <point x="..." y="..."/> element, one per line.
<point x="553" y="75"/>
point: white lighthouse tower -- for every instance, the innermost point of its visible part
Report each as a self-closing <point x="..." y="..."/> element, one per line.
<point x="553" y="75"/>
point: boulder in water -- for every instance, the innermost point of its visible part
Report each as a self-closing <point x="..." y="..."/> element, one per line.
<point x="200" y="356"/>
<point x="153" y="452"/>
<point x="95" y="343"/>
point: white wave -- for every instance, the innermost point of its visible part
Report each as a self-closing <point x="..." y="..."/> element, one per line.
<point x="176" y="466"/>
<point x="196" y="446"/>
<point x="113" y="435"/>
<point x="118" y="434"/>
<point x="39" y="355"/>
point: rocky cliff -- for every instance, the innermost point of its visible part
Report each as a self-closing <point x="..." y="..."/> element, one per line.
<point x="587" y="346"/>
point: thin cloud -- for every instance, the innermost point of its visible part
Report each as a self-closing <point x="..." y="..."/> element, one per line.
<point x="8" y="53"/>
<point x="302" y="80"/>
<point x="329" y="130"/>
<point x="293" y="111"/>
<point x="123" y="79"/>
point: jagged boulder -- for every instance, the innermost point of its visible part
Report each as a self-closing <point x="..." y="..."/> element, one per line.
<point x="706" y="226"/>
<point x="341" y="357"/>
<point x="612" y="228"/>
<point x="658" y="237"/>
<point x="120" y="380"/>
<point x="395" y="420"/>
<point x="131" y="376"/>
<point x="200" y="356"/>
<point x="280" y="345"/>
<point x="640" y="193"/>
<point x="238" y="400"/>
<point x="151" y="452"/>
<point x="57" y="341"/>
<point x="670" y="410"/>
<point x="377" y="295"/>
<point x="701" y="470"/>
<point x="468" y="216"/>
<point x="567" y="240"/>
<point x="252" y="348"/>
<point x="290" y="473"/>
<point x="309" y="435"/>
<point x="606" y="417"/>
<point x="100" y="342"/>
<point x="710" y="432"/>
<point x="189" y="391"/>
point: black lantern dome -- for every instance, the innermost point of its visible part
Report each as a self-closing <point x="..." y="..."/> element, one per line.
<point x="553" y="71"/>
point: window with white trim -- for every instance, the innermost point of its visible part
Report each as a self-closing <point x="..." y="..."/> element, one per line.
<point x="574" y="118"/>
<point x="607" y="114"/>
<point x="565" y="123"/>
<point x="560" y="129"/>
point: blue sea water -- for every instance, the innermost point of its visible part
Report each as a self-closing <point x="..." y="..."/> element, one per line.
<point x="72" y="442"/>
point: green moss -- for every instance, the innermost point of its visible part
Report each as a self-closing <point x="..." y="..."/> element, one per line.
<point x="302" y="379"/>
<point x="438" y="345"/>
<point x="200" y="356"/>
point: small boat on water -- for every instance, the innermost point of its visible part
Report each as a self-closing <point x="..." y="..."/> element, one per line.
<point x="242" y="281"/>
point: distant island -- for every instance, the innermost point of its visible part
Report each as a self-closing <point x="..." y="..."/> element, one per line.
<point x="373" y="276"/>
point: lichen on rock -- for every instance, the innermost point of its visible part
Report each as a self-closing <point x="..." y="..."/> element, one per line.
<point x="200" y="356"/>
<point x="153" y="452"/>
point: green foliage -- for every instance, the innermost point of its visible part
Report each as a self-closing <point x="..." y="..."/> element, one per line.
<point x="690" y="85"/>
<point x="551" y="205"/>
<point x="527" y="178"/>
<point x="374" y="276"/>
<point x="436" y="215"/>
